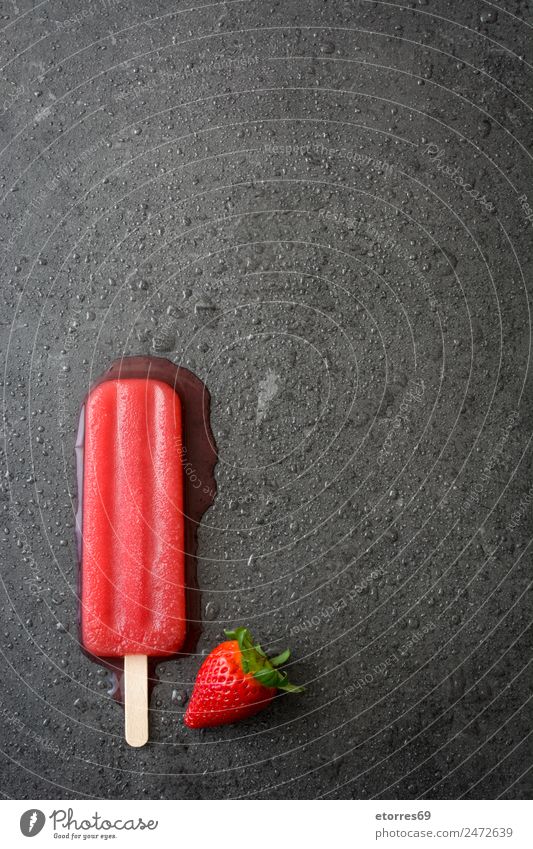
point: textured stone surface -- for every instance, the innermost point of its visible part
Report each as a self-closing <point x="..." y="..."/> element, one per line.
<point x="271" y="195"/>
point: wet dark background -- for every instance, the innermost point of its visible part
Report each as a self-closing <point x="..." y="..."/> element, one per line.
<point x="270" y="194"/>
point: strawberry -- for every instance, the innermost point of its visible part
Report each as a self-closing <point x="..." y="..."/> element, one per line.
<point x="235" y="681"/>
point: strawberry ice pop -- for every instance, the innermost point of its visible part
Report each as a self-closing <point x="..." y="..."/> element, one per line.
<point x="132" y="517"/>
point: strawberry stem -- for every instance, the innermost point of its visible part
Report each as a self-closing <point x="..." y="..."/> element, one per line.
<point x="255" y="662"/>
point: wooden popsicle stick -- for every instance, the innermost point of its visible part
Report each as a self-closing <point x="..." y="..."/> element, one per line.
<point x="136" y="699"/>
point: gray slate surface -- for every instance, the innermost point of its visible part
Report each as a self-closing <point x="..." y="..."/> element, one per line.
<point x="270" y="194"/>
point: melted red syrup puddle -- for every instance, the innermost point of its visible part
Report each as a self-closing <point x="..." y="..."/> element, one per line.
<point x="199" y="485"/>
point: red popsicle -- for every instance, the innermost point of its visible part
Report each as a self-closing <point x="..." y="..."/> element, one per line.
<point x="133" y="561"/>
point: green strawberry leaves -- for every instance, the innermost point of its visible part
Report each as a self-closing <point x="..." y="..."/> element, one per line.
<point x="255" y="662"/>
<point x="280" y="659"/>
